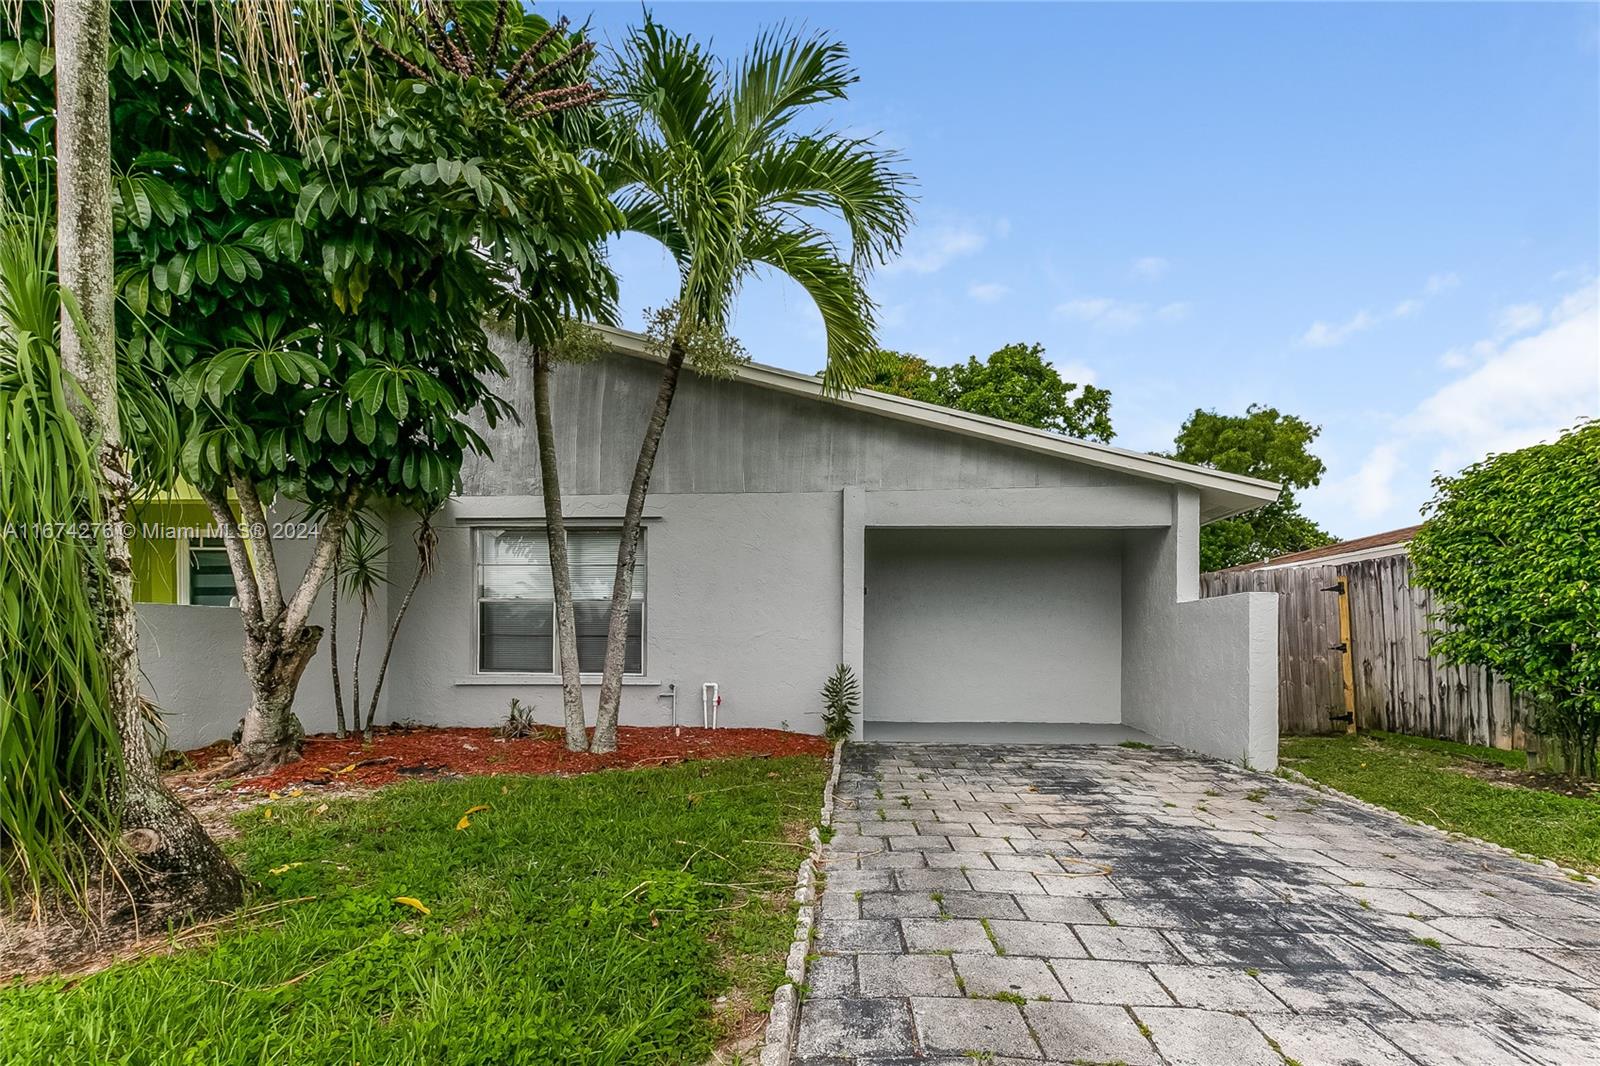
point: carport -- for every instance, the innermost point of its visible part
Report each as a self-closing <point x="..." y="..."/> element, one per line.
<point x="1051" y="615"/>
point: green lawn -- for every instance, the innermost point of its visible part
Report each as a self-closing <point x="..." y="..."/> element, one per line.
<point x="579" y="920"/>
<point x="1424" y="779"/>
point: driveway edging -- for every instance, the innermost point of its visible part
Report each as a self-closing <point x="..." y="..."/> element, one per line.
<point x="783" y="1026"/>
<point x="1295" y="777"/>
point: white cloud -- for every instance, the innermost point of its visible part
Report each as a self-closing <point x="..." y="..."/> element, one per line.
<point x="1369" y="491"/>
<point x="1324" y="334"/>
<point x="1438" y="283"/>
<point x="1150" y="268"/>
<point x="1526" y="390"/>
<point x="931" y="250"/>
<point x="1102" y="311"/>
<point x="1109" y="313"/>
<point x="1511" y="322"/>
<point x="1513" y="389"/>
<point x="1519" y="318"/>
<point x="1077" y="373"/>
<point x="988" y="292"/>
<point x="1328" y="334"/>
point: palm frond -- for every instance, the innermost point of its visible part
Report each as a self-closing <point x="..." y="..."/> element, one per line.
<point x="847" y="176"/>
<point x="667" y="84"/>
<point x="781" y="75"/>
<point x="707" y="162"/>
<point x="809" y="257"/>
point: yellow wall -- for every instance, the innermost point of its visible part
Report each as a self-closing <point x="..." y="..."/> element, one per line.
<point x="155" y="558"/>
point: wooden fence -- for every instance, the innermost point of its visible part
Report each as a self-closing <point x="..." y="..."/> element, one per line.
<point x="1398" y="685"/>
<point x="1310" y="674"/>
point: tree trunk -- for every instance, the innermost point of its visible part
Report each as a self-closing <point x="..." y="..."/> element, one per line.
<point x="427" y="541"/>
<point x="560" y="570"/>
<point x="605" y="728"/>
<point x="333" y="652"/>
<point x="355" y="662"/>
<point x="271" y="734"/>
<point x="276" y="649"/>
<point x="179" y="862"/>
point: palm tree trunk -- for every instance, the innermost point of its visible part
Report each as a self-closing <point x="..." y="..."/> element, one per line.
<point x="333" y="651"/>
<point x="605" y="728"/>
<point x="355" y="662"/>
<point x="560" y="570"/>
<point x="426" y="542"/>
<point x="178" y="859"/>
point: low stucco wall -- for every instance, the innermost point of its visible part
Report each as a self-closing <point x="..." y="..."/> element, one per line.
<point x="992" y="626"/>
<point x="1198" y="673"/>
<point x="192" y="658"/>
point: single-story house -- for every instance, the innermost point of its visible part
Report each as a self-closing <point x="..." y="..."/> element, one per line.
<point x="986" y="581"/>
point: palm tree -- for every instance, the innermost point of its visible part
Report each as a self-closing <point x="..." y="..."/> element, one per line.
<point x="717" y="165"/>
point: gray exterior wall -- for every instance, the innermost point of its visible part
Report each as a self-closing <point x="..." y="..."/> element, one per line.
<point x="743" y="590"/>
<point x="1022" y="625"/>
<point x="758" y="527"/>
<point x="192" y="659"/>
<point x="729" y="436"/>
<point x="1198" y="673"/>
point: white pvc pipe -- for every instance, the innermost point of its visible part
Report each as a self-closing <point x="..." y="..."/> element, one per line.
<point x="709" y="701"/>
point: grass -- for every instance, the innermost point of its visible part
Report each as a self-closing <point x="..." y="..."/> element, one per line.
<point x="590" y="919"/>
<point x="1422" y="779"/>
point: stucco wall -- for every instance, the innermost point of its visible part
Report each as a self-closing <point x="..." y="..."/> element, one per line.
<point x="757" y="526"/>
<point x="192" y="657"/>
<point x="992" y="626"/>
<point x="1198" y="673"/>
<point x="743" y="590"/>
<point x="732" y="436"/>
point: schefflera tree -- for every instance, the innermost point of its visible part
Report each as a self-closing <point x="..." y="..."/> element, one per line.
<point x="322" y="296"/>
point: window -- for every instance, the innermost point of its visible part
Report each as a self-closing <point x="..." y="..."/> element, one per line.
<point x="516" y="600"/>
<point x="210" y="578"/>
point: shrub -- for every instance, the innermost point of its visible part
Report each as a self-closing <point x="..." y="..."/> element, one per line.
<point x="841" y="695"/>
<point x="1510" y="546"/>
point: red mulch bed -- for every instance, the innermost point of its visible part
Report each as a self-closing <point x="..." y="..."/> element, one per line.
<point x="399" y="753"/>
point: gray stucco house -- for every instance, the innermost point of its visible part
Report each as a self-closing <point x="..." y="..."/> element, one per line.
<point x="985" y="580"/>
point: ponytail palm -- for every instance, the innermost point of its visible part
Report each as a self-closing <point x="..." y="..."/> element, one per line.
<point x="728" y="170"/>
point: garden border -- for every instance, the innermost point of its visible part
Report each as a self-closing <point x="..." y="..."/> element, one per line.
<point x="783" y="1022"/>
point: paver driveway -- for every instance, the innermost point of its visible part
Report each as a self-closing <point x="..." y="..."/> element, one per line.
<point x="1102" y="904"/>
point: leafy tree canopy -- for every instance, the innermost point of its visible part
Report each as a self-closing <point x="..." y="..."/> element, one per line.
<point x="1510" y="547"/>
<point x="1015" y="384"/>
<point x="1261" y="443"/>
<point x="317" y="301"/>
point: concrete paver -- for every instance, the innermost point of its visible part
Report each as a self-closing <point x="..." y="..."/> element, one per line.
<point x="1059" y="904"/>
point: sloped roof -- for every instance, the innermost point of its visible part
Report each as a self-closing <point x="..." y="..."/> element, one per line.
<point x="1373" y="546"/>
<point x="1221" y="494"/>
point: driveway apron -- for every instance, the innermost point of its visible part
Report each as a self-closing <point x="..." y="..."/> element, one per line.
<point x="1103" y="904"/>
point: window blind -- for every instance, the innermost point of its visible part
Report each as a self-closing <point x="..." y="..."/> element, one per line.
<point x="516" y="600"/>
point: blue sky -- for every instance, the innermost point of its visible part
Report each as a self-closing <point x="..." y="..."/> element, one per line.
<point x="1382" y="218"/>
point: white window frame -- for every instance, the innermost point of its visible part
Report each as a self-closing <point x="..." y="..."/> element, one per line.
<point x="181" y="564"/>
<point x="555" y="643"/>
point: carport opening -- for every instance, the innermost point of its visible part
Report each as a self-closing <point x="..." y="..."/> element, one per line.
<point x="999" y="635"/>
